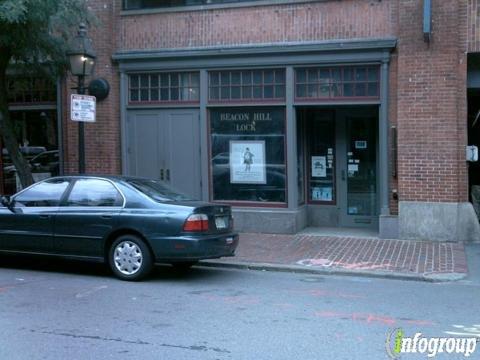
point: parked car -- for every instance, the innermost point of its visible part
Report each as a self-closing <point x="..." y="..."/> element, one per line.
<point x="45" y="162"/>
<point x="128" y="222"/>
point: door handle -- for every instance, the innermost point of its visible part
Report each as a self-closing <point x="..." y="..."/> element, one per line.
<point x="161" y="174"/>
<point x="168" y="175"/>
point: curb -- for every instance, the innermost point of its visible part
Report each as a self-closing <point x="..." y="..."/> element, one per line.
<point x="432" y="278"/>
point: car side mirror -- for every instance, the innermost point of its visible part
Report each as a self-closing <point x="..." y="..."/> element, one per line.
<point x="7" y="202"/>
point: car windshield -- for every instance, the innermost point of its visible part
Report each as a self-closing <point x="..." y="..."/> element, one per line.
<point x="157" y="190"/>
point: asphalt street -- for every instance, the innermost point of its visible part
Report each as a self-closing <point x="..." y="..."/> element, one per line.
<point x="73" y="310"/>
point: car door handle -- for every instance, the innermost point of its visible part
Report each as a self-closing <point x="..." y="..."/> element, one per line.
<point x="106" y="216"/>
<point x="44" y="216"/>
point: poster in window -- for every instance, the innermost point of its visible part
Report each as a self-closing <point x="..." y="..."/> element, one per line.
<point x="322" y="194"/>
<point x="319" y="166"/>
<point x="247" y="162"/>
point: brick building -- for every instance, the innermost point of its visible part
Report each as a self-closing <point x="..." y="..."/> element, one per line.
<point x="352" y="113"/>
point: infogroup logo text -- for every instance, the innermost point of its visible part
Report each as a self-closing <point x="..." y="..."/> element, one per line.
<point x="397" y="343"/>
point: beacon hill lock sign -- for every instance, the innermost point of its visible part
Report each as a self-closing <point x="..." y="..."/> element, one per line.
<point x="83" y="108"/>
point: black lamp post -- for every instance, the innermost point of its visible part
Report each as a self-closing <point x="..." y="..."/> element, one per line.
<point x="82" y="61"/>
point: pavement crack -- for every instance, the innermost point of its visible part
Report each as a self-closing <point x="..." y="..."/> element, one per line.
<point x="197" y="348"/>
<point x="93" y="337"/>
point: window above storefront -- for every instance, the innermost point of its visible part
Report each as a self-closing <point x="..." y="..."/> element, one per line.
<point x="246" y="85"/>
<point x="178" y="87"/>
<point x="31" y="90"/>
<point x="347" y="82"/>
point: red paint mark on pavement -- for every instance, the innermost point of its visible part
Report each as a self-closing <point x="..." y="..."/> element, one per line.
<point x="369" y="318"/>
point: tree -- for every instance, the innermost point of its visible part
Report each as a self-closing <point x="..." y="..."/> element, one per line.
<point x="34" y="37"/>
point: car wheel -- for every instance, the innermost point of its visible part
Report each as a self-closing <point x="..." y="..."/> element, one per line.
<point x="183" y="265"/>
<point x="130" y="258"/>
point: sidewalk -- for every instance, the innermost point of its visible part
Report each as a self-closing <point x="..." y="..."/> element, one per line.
<point x="349" y="255"/>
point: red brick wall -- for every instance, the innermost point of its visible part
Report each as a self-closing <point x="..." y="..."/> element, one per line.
<point x="427" y="100"/>
<point x="102" y="138"/>
<point x="473" y="25"/>
<point x="431" y="104"/>
<point x="263" y="24"/>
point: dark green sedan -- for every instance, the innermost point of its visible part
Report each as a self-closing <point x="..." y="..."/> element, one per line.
<point x="130" y="223"/>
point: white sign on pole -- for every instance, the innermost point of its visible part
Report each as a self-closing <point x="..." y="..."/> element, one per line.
<point x="83" y="108"/>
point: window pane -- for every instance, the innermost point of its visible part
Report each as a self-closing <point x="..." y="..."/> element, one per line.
<point x="164" y="80"/>
<point x="280" y="91"/>
<point x="235" y="92"/>
<point x="312" y="75"/>
<point x="195" y="79"/>
<point x="268" y="92"/>
<point x="257" y="77"/>
<point x="257" y="92"/>
<point x="347" y="74"/>
<point x="360" y="74"/>
<point x="236" y="78"/>
<point x="154" y="80"/>
<point x="347" y="90"/>
<point x="154" y="94"/>
<point x="144" y="95"/>
<point x="144" y="80"/>
<point x="268" y="74"/>
<point x="164" y="94"/>
<point x="372" y="74"/>
<point x="174" y="80"/>
<point x="174" y="94"/>
<point x="325" y="74"/>
<point x="214" y="93"/>
<point x="248" y="160"/>
<point x="133" y="95"/>
<point x="246" y="77"/>
<point x="225" y="92"/>
<point x="133" y="81"/>
<point x="279" y="76"/>
<point x="312" y="90"/>
<point x="360" y="89"/>
<point x="47" y="193"/>
<point x="225" y="78"/>
<point x="301" y="91"/>
<point x="93" y="192"/>
<point x="247" y="92"/>
<point x="373" y="89"/>
<point x="301" y="76"/>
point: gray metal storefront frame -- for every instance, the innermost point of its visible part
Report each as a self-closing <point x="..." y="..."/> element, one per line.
<point x="288" y="56"/>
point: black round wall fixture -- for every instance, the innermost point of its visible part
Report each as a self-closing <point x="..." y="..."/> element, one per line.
<point x="99" y="88"/>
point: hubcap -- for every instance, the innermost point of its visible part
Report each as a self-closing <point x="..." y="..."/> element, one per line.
<point x="127" y="257"/>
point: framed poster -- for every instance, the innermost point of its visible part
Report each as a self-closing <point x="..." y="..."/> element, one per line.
<point x="322" y="194"/>
<point x="319" y="166"/>
<point x="247" y="162"/>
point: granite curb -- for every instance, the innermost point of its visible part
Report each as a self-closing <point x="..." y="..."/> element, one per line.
<point x="433" y="277"/>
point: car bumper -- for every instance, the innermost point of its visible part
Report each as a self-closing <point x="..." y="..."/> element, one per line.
<point x="193" y="248"/>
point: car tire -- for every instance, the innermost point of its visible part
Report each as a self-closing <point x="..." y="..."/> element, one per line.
<point x="183" y="265"/>
<point x="130" y="258"/>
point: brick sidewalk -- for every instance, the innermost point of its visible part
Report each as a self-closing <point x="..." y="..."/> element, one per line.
<point x="422" y="259"/>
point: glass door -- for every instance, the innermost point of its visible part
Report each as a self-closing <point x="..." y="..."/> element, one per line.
<point x="357" y="168"/>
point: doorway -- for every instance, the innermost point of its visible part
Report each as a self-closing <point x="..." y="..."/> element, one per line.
<point x="341" y="167"/>
<point x="165" y="145"/>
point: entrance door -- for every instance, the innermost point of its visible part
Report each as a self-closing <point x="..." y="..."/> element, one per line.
<point x="357" y="167"/>
<point x="165" y="145"/>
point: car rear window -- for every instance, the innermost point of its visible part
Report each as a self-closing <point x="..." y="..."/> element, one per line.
<point x="158" y="191"/>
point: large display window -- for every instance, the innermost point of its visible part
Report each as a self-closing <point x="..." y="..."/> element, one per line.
<point x="248" y="154"/>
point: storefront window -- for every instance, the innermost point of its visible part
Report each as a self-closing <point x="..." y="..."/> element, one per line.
<point x="27" y="90"/>
<point x="148" y="4"/>
<point x="164" y="87"/>
<point x="337" y="82"/>
<point x="321" y="162"/>
<point x="250" y="85"/>
<point x="248" y="154"/>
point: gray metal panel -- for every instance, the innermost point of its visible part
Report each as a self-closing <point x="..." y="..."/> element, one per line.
<point x="279" y="54"/>
<point x="184" y="155"/>
<point x="291" y="142"/>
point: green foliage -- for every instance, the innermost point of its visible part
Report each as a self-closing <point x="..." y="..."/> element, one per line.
<point x="36" y="33"/>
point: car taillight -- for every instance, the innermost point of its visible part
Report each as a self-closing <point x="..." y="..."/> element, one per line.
<point x="196" y="222"/>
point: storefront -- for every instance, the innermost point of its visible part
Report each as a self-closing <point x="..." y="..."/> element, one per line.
<point x="291" y="137"/>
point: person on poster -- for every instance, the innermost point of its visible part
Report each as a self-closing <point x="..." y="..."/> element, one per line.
<point x="247" y="159"/>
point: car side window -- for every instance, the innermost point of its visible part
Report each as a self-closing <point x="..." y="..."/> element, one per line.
<point x="94" y="192"/>
<point x="47" y="193"/>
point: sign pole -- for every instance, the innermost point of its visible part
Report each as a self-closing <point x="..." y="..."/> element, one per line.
<point x="81" y="132"/>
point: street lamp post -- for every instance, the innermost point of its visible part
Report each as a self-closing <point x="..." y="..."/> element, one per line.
<point x="82" y="61"/>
